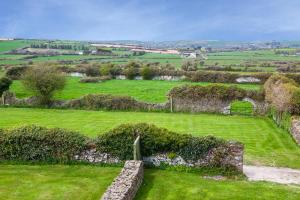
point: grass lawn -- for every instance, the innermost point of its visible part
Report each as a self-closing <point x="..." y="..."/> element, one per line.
<point x="149" y="91"/>
<point x="241" y="107"/>
<point x="265" y="144"/>
<point x="27" y="182"/>
<point x="171" y="185"/>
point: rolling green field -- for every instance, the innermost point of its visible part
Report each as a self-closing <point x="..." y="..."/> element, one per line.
<point x="143" y="90"/>
<point x="11" y="45"/>
<point x="170" y="185"/>
<point x="27" y="182"/>
<point x="265" y="144"/>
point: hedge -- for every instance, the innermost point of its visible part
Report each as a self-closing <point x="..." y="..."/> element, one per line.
<point x="283" y="94"/>
<point x="104" y="101"/>
<point x="34" y="143"/>
<point x="215" y="91"/>
<point x="118" y="142"/>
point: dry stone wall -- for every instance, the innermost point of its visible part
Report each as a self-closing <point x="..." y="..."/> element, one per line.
<point x="126" y="185"/>
<point x="229" y="155"/>
<point x="295" y="130"/>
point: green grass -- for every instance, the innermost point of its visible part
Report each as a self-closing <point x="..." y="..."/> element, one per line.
<point x="265" y="144"/>
<point x="27" y="182"/>
<point x="241" y="107"/>
<point x="11" y="45"/>
<point x="172" y="185"/>
<point x="148" y="91"/>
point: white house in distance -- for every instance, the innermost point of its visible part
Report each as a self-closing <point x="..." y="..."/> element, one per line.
<point x="194" y="54"/>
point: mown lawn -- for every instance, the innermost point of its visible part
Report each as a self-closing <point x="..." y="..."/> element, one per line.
<point x="265" y="144"/>
<point x="59" y="182"/>
<point x="149" y="91"/>
<point x="171" y="185"/>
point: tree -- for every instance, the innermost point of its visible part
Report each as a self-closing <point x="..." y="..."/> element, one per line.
<point x="43" y="82"/>
<point x="147" y="73"/>
<point x="4" y="84"/>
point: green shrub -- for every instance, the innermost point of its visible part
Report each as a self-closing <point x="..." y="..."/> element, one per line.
<point x="214" y="91"/>
<point x="104" y="101"/>
<point x="118" y="142"/>
<point x="4" y="84"/>
<point x="15" y="73"/>
<point x="34" y="143"/>
<point x="92" y="71"/>
<point x="213" y="77"/>
<point x="147" y="73"/>
<point x="130" y="73"/>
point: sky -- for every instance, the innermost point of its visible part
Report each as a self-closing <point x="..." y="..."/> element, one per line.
<point x="151" y="20"/>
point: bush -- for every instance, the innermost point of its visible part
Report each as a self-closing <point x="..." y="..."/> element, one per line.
<point x="283" y="94"/>
<point x="34" y="143"/>
<point x="102" y="101"/>
<point x="92" y="71"/>
<point x="4" y="84"/>
<point x="15" y="73"/>
<point x="147" y="73"/>
<point x="214" y="91"/>
<point x="119" y="142"/>
<point x="43" y="82"/>
<point x="130" y="73"/>
<point x="213" y="77"/>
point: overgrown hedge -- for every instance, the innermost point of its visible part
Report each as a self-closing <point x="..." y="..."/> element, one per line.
<point x="104" y="101"/>
<point x="34" y="143"/>
<point x="283" y="94"/>
<point x="215" y="91"/>
<point x="118" y="142"/>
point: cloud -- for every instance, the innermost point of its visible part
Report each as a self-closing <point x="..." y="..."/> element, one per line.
<point x="150" y="20"/>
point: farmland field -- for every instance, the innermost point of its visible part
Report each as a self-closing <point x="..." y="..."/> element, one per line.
<point x="60" y="182"/>
<point x="148" y="91"/>
<point x="265" y="144"/>
<point x="167" y="185"/>
<point x="10" y="45"/>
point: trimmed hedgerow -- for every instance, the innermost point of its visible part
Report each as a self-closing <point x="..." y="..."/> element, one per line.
<point x="34" y="143"/>
<point x="118" y="142"/>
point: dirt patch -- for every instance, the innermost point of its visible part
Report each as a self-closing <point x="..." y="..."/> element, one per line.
<point x="272" y="174"/>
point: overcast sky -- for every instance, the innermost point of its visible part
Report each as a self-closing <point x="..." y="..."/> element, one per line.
<point x="151" y="19"/>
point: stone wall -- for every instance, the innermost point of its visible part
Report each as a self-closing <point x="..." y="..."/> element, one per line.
<point x="295" y="130"/>
<point x="126" y="185"/>
<point x="213" y="105"/>
<point x="229" y="155"/>
<point x="201" y="105"/>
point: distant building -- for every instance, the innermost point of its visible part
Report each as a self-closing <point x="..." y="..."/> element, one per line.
<point x="6" y="39"/>
<point x="192" y="54"/>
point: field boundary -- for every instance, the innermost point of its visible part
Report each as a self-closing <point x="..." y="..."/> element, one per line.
<point x="127" y="183"/>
